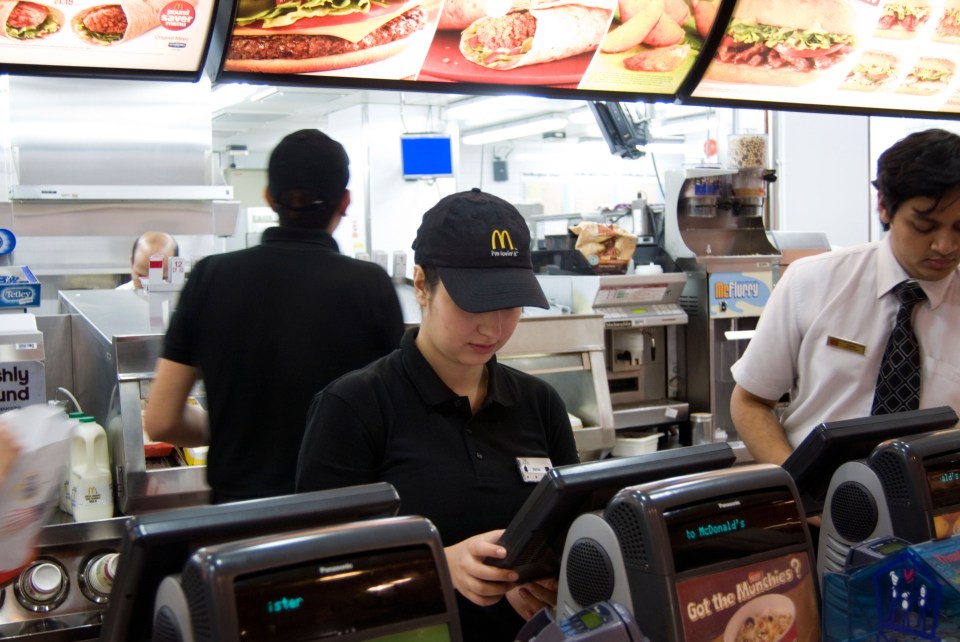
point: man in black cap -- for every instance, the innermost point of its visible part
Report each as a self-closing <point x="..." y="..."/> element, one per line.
<point x="443" y="421"/>
<point x="266" y="327"/>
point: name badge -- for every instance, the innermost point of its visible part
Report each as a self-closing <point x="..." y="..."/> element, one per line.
<point x="532" y="469"/>
<point x="846" y="344"/>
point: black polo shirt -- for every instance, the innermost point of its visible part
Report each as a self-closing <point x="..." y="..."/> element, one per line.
<point x="268" y="327"/>
<point x="396" y="421"/>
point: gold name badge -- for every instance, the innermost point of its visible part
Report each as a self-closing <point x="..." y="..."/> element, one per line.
<point x="845" y="344"/>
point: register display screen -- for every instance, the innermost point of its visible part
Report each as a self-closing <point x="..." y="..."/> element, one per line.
<point x="341" y="596"/>
<point x="943" y="480"/>
<point x="726" y="529"/>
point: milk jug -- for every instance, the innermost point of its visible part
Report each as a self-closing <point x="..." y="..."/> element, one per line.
<point x="65" y="506"/>
<point x="91" y="486"/>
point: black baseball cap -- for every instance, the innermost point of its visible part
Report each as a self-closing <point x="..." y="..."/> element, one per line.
<point x="480" y="245"/>
<point x="310" y="164"/>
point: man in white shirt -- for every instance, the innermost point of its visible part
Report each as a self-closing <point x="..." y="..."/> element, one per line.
<point x="822" y="335"/>
<point x="148" y="244"/>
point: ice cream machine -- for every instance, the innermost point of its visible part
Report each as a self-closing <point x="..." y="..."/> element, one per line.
<point x="714" y="230"/>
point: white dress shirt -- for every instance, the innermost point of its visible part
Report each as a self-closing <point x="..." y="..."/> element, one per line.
<point x="823" y="332"/>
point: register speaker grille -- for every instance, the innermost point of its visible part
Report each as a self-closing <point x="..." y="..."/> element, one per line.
<point x="589" y="572"/>
<point x="853" y="511"/>
<point x="165" y="628"/>
<point x="889" y="470"/>
<point x="200" y="616"/>
<point x="629" y="530"/>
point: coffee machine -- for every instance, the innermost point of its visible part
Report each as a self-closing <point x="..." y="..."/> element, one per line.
<point x="714" y="230"/>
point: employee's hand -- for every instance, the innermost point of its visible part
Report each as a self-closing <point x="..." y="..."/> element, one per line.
<point x="528" y="599"/>
<point x="478" y="582"/>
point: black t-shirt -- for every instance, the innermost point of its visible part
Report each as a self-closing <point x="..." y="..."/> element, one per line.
<point x="268" y="327"/>
<point x="396" y="421"/>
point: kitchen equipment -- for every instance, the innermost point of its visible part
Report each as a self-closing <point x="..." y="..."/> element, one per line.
<point x="115" y="351"/>
<point x="641" y="314"/>
<point x="567" y="352"/>
<point x="731" y="268"/>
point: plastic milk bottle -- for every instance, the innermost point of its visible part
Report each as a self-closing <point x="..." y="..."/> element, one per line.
<point x="65" y="506"/>
<point x="91" y="486"/>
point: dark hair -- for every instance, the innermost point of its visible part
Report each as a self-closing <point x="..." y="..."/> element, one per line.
<point x="431" y="278"/>
<point x="925" y="163"/>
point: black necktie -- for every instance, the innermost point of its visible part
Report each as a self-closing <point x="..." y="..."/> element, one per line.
<point x="898" y="384"/>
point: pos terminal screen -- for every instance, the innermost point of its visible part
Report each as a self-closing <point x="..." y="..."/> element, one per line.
<point x="336" y="597"/>
<point x="725" y="529"/>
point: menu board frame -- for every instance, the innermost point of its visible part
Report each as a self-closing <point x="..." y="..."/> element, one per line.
<point x="166" y="30"/>
<point x="449" y="70"/>
<point x="835" y="92"/>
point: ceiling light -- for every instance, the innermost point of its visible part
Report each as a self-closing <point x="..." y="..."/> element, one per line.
<point x="477" y="107"/>
<point x="515" y="130"/>
<point x="260" y="95"/>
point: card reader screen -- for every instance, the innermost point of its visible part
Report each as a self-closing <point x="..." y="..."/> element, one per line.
<point x="339" y="596"/>
<point x="731" y="528"/>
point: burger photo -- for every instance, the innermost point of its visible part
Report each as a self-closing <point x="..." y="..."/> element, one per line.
<point x="928" y="76"/>
<point x="29" y="20"/>
<point x="873" y="71"/>
<point x="784" y="42"/>
<point x="320" y="35"/>
<point x="948" y="27"/>
<point x="902" y="19"/>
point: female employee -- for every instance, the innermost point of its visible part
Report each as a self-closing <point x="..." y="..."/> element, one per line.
<point x="445" y="423"/>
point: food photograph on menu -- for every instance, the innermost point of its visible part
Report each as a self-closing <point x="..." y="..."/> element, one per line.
<point x="385" y="39"/>
<point x="886" y="55"/>
<point x="529" y="42"/>
<point x="163" y="35"/>
<point x="651" y="45"/>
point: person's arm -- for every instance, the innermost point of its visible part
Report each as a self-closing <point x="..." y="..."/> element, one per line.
<point x="478" y="582"/>
<point x="758" y="427"/>
<point x="168" y="417"/>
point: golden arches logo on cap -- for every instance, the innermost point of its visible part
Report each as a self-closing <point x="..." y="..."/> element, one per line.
<point x="501" y="238"/>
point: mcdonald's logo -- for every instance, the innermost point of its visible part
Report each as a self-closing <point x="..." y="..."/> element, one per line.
<point x="501" y="238"/>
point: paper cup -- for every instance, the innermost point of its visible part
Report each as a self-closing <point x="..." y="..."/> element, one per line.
<point x="768" y="618"/>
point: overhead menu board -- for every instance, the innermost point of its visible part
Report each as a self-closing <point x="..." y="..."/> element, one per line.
<point x="134" y="38"/>
<point x="601" y="46"/>
<point x="863" y="56"/>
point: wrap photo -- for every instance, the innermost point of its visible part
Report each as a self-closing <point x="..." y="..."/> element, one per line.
<point x="115" y="23"/>
<point x="460" y="14"/>
<point x="543" y="32"/>
<point x="29" y="20"/>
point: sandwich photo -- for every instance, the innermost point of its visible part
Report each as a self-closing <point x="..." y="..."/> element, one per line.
<point x="112" y="24"/>
<point x="928" y="76"/>
<point x="536" y="32"/>
<point x="948" y="27"/>
<point x="902" y="19"/>
<point x="29" y="20"/>
<point x="320" y="35"/>
<point x="874" y="70"/>
<point x="784" y="42"/>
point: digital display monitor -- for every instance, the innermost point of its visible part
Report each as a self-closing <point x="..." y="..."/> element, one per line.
<point x="535" y="537"/>
<point x="831" y="444"/>
<point x="571" y="49"/>
<point x="851" y="56"/>
<point x="920" y="477"/>
<point x="380" y="579"/>
<point x="732" y="528"/>
<point x="139" y="39"/>
<point x="158" y="544"/>
<point x="426" y="156"/>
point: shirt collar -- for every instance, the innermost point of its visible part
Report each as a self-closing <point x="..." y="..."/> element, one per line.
<point x="890" y="273"/>
<point x="433" y="390"/>
<point x="278" y="235"/>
